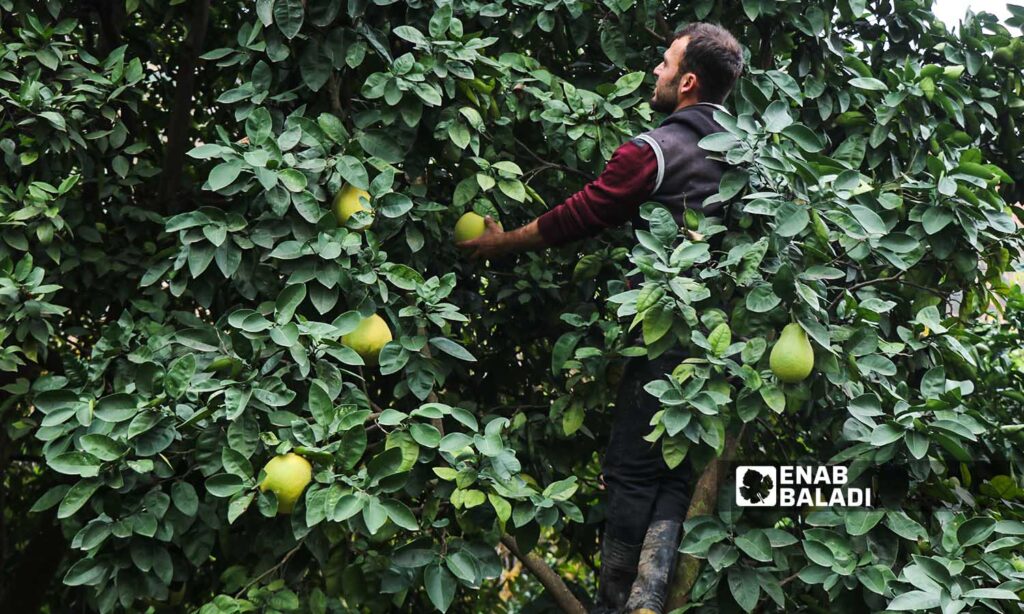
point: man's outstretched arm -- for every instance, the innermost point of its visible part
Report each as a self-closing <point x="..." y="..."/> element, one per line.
<point x="610" y="200"/>
<point x="495" y="242"/>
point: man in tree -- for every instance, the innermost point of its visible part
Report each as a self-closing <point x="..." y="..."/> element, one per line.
<point x="646" y="500"/>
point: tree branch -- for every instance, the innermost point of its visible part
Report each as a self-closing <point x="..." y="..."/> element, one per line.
<point x="431" y="396"/>
<point x="274" y="568"/>
<point x="860" y="285"/>
<point x="181" y="116"/>
<point x="334" y="89"/>
<point x="705" y="497"/>
<point x="547" y="577"/>
<point x="546" y="163"/>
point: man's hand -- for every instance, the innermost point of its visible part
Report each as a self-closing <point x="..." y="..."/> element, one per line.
<point x="488" y="245"/>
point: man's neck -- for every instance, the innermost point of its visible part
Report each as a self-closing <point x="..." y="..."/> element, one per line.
<point x="687" y="102"/>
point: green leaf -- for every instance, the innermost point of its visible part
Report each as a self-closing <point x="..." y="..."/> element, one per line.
<point x="563" y="350"/>
<point x="56" y="119"/>
<point x="374" y="515"/>
<point x="292" y="180"/>
<point x="572" y="419"/>
<point x="116" y="408"/>
<point x="403" y="276"/>
<point x="50" y="498"/>
<point x="674" y="450"/>
<point x="203" y="152"/>
<point x="754" y="543"/>
<point x="103" y="447"/>
<point x="76" y="497"/>
<point x="562" y="489"/>
<point x="804" y="137"/>
<point x="288" y="300"/>
<point x="288" y="14"/>
<point x="314" y="66"/>
<point x="744" y="586"/>
<point x="410" y="34"/>
<point x="792" y="219"/>
<point x="395" y="204"/>
<point x="991" y="593"/>
<point x="914" y="600"/>
<point x="320" y="405"/>
<point x="627" y="84"/>
<point x="224" y="485"/>
<point x="426" y="435"/>
<point x="719" y="339"/>
<point x="184" y="497"/>
<point x="440" y="585"/>
<point x="224" y="174"/>
<point x="239" y="504"/>
<point x="452" y="349"/>
<point x="352" y="171"/>
<point x="346" y="507"/>
<point x="513" y="188"/>
<point x="657" y="321"/>
<point x="869" y="83"/>
<point x="762" y="299"/>
<point x="86" y="572"/>
<point x="904" y="526"/>
<point x="179" y="375"/>
<point x="886" y="434"/>
<point x="975" y="531"/>
<point x="773" y="397"/>
<point x="859" y="522"/>
<point x="776" y="116"/>
<point x="401" y="515"/>
<point x="75" y="463"/>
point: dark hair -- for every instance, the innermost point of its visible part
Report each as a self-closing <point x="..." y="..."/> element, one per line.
<point x="714" y="55"/>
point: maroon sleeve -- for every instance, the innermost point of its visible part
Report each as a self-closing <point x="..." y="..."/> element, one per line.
<point x="610" y="200"/>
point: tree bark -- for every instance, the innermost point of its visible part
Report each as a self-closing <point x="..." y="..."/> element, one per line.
<point x="111" y="17"/>
<point x="181" y="115"/>
<point x="547" y="577"/>
<point x="29" y="583"/>
<point x="705" y="498"/>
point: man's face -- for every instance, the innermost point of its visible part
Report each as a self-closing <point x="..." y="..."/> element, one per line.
<point x="666" y="89"/>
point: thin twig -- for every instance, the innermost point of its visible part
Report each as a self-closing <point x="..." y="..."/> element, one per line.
<point x="549" y="163"/>
<point x="266" y="573"/>
<point x="366" y="391"/>
<point x="863" y="284"/>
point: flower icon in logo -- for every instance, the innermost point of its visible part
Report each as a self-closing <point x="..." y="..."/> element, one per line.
<point x="755" y="486"/>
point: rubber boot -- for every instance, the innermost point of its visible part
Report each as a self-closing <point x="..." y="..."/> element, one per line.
<point x="618" y="570"/>
<point x="657" y="561"/>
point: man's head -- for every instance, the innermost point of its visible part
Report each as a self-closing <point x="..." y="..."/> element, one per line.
<point x="701" y="64"/>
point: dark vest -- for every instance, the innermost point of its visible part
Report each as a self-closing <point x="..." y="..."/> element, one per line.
<point x="686" y="176"/>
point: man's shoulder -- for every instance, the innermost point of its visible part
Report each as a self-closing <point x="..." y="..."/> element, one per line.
<point x="640" y="141"/>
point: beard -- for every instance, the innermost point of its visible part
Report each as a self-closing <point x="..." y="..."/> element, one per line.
<point x="665" y="100"/>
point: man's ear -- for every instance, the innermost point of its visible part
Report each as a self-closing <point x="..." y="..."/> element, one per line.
<point x="688" y="84"/>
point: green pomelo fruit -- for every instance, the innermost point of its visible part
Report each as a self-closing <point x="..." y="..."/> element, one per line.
<point x="792" y="358"/>
<point x="469" y="227"/>
<point x="348" y="201"/>
<point x="287" y="476"/>
<point x="368" y="338"/>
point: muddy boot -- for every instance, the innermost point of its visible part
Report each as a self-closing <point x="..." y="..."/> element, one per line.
<point x="618" y="570"/>
<point x="657" y="561"/>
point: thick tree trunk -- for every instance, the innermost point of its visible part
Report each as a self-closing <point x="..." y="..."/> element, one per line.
<point x="181" y="114"/>
<point x="705" y="498"/>
<point x="29" y="583"/>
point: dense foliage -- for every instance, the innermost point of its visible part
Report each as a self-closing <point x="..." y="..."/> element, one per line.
<point x="174" y="289"/>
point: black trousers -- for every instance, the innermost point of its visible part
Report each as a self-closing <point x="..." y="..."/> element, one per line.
<point x="640" y="486"/>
